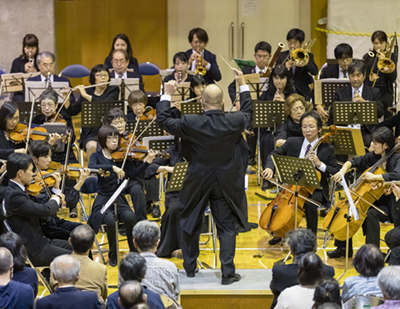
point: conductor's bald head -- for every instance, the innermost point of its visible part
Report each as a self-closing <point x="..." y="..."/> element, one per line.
<point x="212" y="97"/>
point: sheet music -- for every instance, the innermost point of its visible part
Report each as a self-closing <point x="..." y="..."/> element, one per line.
<point x="352" y="211"/>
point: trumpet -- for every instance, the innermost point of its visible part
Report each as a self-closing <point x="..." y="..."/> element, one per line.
<point x="300" y="56"/>
<point x="200" y="70"/>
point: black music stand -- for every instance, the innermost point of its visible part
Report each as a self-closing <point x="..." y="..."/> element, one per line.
<point x="257" y="88"/>
<point x="152" y="130"/>
<point x="93" y="112"/>
<point x="191" y="108"/>
<point x="126" y="85"/>
<point x="345" y="113"/>
<point x="182" y="92"/>
<point x="267" y="114"/>
<point x="178" y="176"/>
<point x="347" y="141"/>
<point x="325" y="90"/>
<point x="25" y="110"/>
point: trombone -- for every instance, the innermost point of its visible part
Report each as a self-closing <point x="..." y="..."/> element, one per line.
<point x="384" y="65"/>
<point x="300" y="56"/>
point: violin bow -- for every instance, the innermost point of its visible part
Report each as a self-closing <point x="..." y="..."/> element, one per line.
<point x="30" y="123"/>
<point x="62" y="105"/>
<point x="361" y="198"/>
<point x="131" y="142"/>
<point x="69" y="139"/>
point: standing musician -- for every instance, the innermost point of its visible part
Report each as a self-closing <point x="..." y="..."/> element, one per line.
<point x="109" y="138"/>
<point x="382" y="143"/>
<point x="344" y="56"/>
<point x="323" y="159"/>
<point x="181" y="65"/>
<point x="210" y="144"/>
<point x="98" y="75"/>
<point x="198" y="39"/>
<point x="120" y="62"/>
<point x="357" y="91"/>
<point x="121" y="41"/>
<point x="26" y="63"/>
<point x="383" y="81"/>
<point x="23" y="214"/>
<point x="301" y="77"/>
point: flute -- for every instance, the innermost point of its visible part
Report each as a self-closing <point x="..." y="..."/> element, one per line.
<point x="90" y="86"/>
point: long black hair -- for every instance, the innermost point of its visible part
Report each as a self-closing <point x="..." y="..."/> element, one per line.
<point x="124" y="37"/>
<point x="280" y="71"/>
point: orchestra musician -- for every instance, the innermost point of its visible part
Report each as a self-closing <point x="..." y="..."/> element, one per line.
<point x="295" y="38"/>
<point x="101" y="92"/>
<point x="358" y="91"/>
<point x="323" y="159"/>
<point x="26" y="63"/>
<point x="384" y="81"/>
<point x="121" y="41"/>
<point x="120" y="62"/>
<point x="382" y="142"/>
<point x="198" y="39"/>
<point x="209" y="143"/>
<point x="137" y="101"/>
<point x="197" y="85"/>
<point x="109" y="139"/>
<point x="181" y="65"/>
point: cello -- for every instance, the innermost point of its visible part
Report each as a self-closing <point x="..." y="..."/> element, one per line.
<point x="280" y="216"/>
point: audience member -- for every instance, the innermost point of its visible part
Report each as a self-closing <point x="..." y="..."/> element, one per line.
<point x="329" y="306"/>
<point x="130" y="294"/>
<point x="309" y="274"/>
<point x="65" y="269"/>
<point x="327" y="291"/>
<point x="21" y="273"/>
<point x="133" y="268"/>
<point x="389" y="282"/>
<point x="283" y="276"/>
<point x="13" y="294"/>
<point x="162" y="275"/>
<point x="368" y="262"/>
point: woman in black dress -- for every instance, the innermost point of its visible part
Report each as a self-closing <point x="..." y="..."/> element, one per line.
<point x="26" y="62"/>
<point x="105" y="93"/>
<point x="109" y="138"/>
<point x="121" y="41"/>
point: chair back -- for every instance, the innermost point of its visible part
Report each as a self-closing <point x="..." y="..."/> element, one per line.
<point x="363" y="301"/>
<point x="149" y="69"/>
<point x="320" y="70"/>
<point x="75" y="71"/>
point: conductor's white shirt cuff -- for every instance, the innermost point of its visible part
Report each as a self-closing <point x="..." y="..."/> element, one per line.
<point x="165" y="97"/>
<point x="244" y="88"/>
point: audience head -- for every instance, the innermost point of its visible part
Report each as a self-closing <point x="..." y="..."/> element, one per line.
<point x="108" y="137"/>
<point x="65" y="269"/>
<point x="357" y="71"/>
<point x="212" y="97"/>
<point x="295" y="38"/>
<point x="132" y="267"/>
<point x="9" y="116"/>
<point x="383" y="140"/>
<point x="19" y="165"/>
<point x="130" y="294"/>
<point x="389" y="282"/>
<point x="310" y="270"/>
<point x="198" y="39"/>
<point x="46" y="62"/>
<point x="295" y="106"/>
<point x="368" y="261"/>
<point x="48" y="102"/>
<point x="6" y="262"/>
<point x="197" y="85"/>
<point x="327" y="291"/>
<point x="301" y="242"/>
<point x="116" y="118"/>
<point x="146" y="236"/>
<point x="344" y="55"/>
<point x="121" y="41"/>
<point x="120" y="60"/>
<point x="30" y="44"/>
<point x="329" y="306"/>
<point x="281" y="79"/>
<point x="262" y="54"/>
<point x="81" y="239"/>
<point x="13" y="243"/>
<point x="99" y="74"/>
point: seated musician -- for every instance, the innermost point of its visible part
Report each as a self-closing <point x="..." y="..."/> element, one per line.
<point x="121" y="41"/>
<point x="383" y="81"/>
<point x="295" y="39"/>
<point x="392" y="238"/>
<point x="382" y="143"/>
<point x="100" y="92"/>
<point x="108" y="138"/>
<point x="54" y="226"/>
<point x="23" y="214"/>
<point x="181" y="65"/>
<point x="26" y="63"/>
<point x="357" y="91"/>
<point x="197" y="85"/>
<point x="323" y="159"/>
<point x="120" y="61"/>
<point x="280" y="86"/>
<point x="198" y="39"/>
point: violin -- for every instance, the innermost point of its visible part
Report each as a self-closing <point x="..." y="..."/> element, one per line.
<point x="20" y="132"/>
<point x="72" y="170"/>
<point x="36" y="186"/>
<point x="135" y="153"/>
<point x="59" y="119"/>
<point x="279" y="217"/>
<point x="149" y="113"/>
<point x="363" y="197"/>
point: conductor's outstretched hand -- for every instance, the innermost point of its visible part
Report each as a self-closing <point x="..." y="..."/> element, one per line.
<point x="239" y="77"/>
<point x="170" y="87"/>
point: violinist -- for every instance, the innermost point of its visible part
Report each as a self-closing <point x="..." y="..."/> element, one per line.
<point x="358" y="91"/>
<point x="137" y="101"/>
<point x="121" y="41"/>
<point x="120" y="61"/>
<point x="108" y="138"/>
<point x="26" y="63"/>
<point x="323" y="159"/>
<point x="383" y="81"/>
<point x="382" y="142"/>
<point x="181" y="65"/>
<point x="98" y="75"/>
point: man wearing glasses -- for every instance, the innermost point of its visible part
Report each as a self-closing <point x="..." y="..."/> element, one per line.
<point x="120" y="62"/>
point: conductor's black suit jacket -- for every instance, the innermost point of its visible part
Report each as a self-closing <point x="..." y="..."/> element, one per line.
<point x="211" y="143"/>
<point x="325" y="153"/>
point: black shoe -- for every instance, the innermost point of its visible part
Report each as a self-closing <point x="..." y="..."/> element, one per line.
<point x="149" y="207"/>
<point x="191" y="275"/>
<point x="156" y="213"/>
<point x="230" y="279"/>
<point x="265" y="185"/>
<point x="122" y="231"/>
<point x="113" y="261"/>
<point x="46" y="274"/>
<point x="275" y="240"/>
<point x="253" y="225"/>
<point x="339" y="252"/>
<point x="73" y="213"/>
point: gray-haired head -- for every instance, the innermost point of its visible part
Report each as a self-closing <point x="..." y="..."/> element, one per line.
<point x="146" y="235"/>
<point x="301" y="242"/>
<point x="6" y="260"/>
<point x="45" y="54"/>
<point x="65" y="269"/>
<point x="130" y="294"/>
<point x="389" y="282"/>
<point x="132" y="267"/>
<point x="49" y="94"/>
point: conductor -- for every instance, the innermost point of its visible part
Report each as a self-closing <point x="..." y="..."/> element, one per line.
<point x="210" y="143"/>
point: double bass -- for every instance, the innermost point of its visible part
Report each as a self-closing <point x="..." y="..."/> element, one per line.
<point x="280" y="216"/>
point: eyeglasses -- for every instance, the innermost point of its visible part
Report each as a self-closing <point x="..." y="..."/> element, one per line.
<point x="101" y="75"/>
<point x="298" y="109"/>
<point x="347" y="59"/>
<point x="14" y="118"/>
<point x="44" y="105"/>
<point x="121" y="61"/>
<point x="262" y="56"/>
<point x="118" y="122"/>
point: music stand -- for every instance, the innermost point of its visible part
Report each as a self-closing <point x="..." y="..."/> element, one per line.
<point x="325" y="90"/>
<point x="178" y="176"/>
<point x="159" y="143"/>
<point x="126" y="86"/>
<point x="267" y="114"/>
<point x="15" y="82"/>
<point x="256" y="85"/>
<point x="347" y="141"/>
<point x="152" y="130"/>
<point x="25" y="110"/>
<point x="35" y="89"/>
<point x="93" y="112"/>
<point x="182" y="93"/>
<point x="345" y="113"/>
<point x="191" y="108"/>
